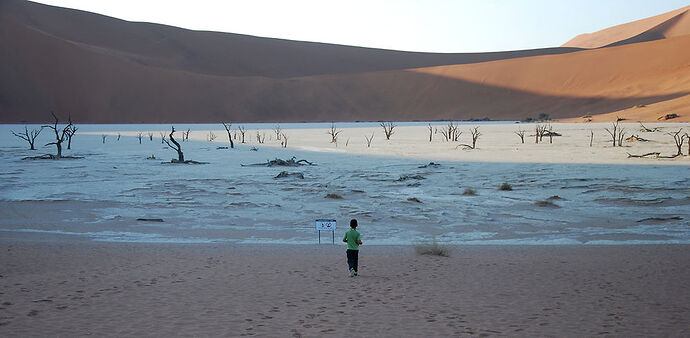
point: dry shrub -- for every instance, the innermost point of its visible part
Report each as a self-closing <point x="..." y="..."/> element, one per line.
<point x="433" y="249"/>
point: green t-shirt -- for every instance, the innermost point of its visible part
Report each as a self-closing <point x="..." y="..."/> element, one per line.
<point x="352" y="236"/>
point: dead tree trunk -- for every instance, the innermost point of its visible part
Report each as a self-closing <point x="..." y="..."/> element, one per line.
<point x="140" y="136"/>
<point x="175" y="146"/>
<point x="277" y="130"/>
<point x="70" y="132"/>
<point x="539" y="133"/>
<point x="450" y="132"/>
<point x="227" y="127"/>
<point x="613" y="132"/>
<point x="260" y="138"/>
<point x="521" y="133"/>
<point x="334" y="133"/>
<point x="621" y="136"/>
<point x="431" y="132"/>
<point x="679" y="140"/>
<point x="369" y="139"/>
<point x="29" y="136"/>
<point x="242" y="131"/>
<point x="60" y="135"/>
<point x="475" y="136"/>
<point x="591" y="137"/>
<point x="103" y="137"/>
<point x="284" y="141"/>
<point x="388" y="129"/>
<point x="150" y="136"/>
<point x="162" y="134"/>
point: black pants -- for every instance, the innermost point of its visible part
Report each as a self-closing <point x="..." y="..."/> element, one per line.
<point x="352" y="259"/>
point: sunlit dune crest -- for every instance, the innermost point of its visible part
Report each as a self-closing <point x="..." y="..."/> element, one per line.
<point x="667" y="25"/>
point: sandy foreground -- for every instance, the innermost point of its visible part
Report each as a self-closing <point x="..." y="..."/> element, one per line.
<point x="497" y="142"/>
<point x="106" y="289"/>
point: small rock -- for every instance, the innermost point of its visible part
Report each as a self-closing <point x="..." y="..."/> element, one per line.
<point x="285" y="174"/>
<point x="410" y="177"/>
<point x="414" y="199"/>
<point x="334" y="196"/>
<point x="546" y="204"/>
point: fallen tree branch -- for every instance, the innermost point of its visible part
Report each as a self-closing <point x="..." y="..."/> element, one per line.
<point x="654" y="154"/>
<point x="293" y="162"/>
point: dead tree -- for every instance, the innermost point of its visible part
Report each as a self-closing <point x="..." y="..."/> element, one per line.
<point x="29" y="136"/>
<point x="284" y="141"/>
<point x="621" y="136"/>
<point x="118" y="136"/>
<point x="550" y="132"/>
<point x="591" y="137"/>
<point x="521" y="134"/>
<point x="679" y="140"/>
<point x="431" y="132"/>
<point x="60" y="135"/>
<point x="334" y="133"/>
<point x="260" y="138"/>
<point x="450" y="132"/>
<point x="369" y="139"/>
<point x="175" y="146"/>
<point x="150" y="136"/>
<point x="70" y="133"/>
<point x="162" y="134"/>
<point x="278" y="131"/>
<point x="186" y="135"/>
<point x="242" y="131"/>
<point x="227" y="127"/>
<point x="140" y="135"/>
<point x="211" y="136"/>
<point x="475" y="136"/>
<point x="687" y="136"/>
<point x="540" y="130"/>
<point x="103" y="137"/>
<point x="388" y="129"/>
<point x="614" y="132"/>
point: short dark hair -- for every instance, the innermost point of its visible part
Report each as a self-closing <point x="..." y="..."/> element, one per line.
<point x="353" y="223"/>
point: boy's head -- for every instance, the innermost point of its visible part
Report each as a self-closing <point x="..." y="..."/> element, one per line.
<point x="353" y="223"/>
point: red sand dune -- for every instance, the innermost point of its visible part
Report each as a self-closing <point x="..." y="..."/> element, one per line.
<point x="104" y="70"/>
<point x="667" y="25"/>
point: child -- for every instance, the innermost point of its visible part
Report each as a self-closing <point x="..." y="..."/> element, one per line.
<point x="353" y="240"/>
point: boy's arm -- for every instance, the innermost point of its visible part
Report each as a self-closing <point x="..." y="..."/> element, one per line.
<point x="359" y="239"/>
<point x="345" y="238"/>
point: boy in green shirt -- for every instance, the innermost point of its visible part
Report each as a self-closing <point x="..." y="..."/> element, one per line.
<point x="353" y="240"/>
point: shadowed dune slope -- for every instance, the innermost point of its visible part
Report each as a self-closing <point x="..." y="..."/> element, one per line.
<point x="216" y="53"/>
<point x="667" y="25"/>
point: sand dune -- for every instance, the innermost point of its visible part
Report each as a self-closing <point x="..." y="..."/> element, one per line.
<point x="667" y="25"/>
<point x="223" y="54"/>
<point x="117" y="71"/>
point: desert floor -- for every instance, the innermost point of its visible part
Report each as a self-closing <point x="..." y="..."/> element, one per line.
<point x="498" y="142"/>
<point x="107" y="289"/>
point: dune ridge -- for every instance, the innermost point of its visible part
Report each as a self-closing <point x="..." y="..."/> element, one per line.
<point x="662" y="26"/>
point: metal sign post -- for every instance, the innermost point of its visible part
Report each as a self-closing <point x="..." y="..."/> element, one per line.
<point x="326" y="225"/>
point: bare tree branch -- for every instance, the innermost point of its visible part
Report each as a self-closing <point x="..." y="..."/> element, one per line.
<point x="227" y="127"/>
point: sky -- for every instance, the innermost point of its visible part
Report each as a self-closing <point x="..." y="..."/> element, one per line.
<point x="459" y="26"/>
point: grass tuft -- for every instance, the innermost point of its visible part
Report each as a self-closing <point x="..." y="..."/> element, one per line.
<point x="433" y="249"/>
<point x="469" y="192"/>
<point x="505" y="187"/>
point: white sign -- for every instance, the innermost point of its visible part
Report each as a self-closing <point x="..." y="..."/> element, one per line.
<point x="325" y="224"/>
